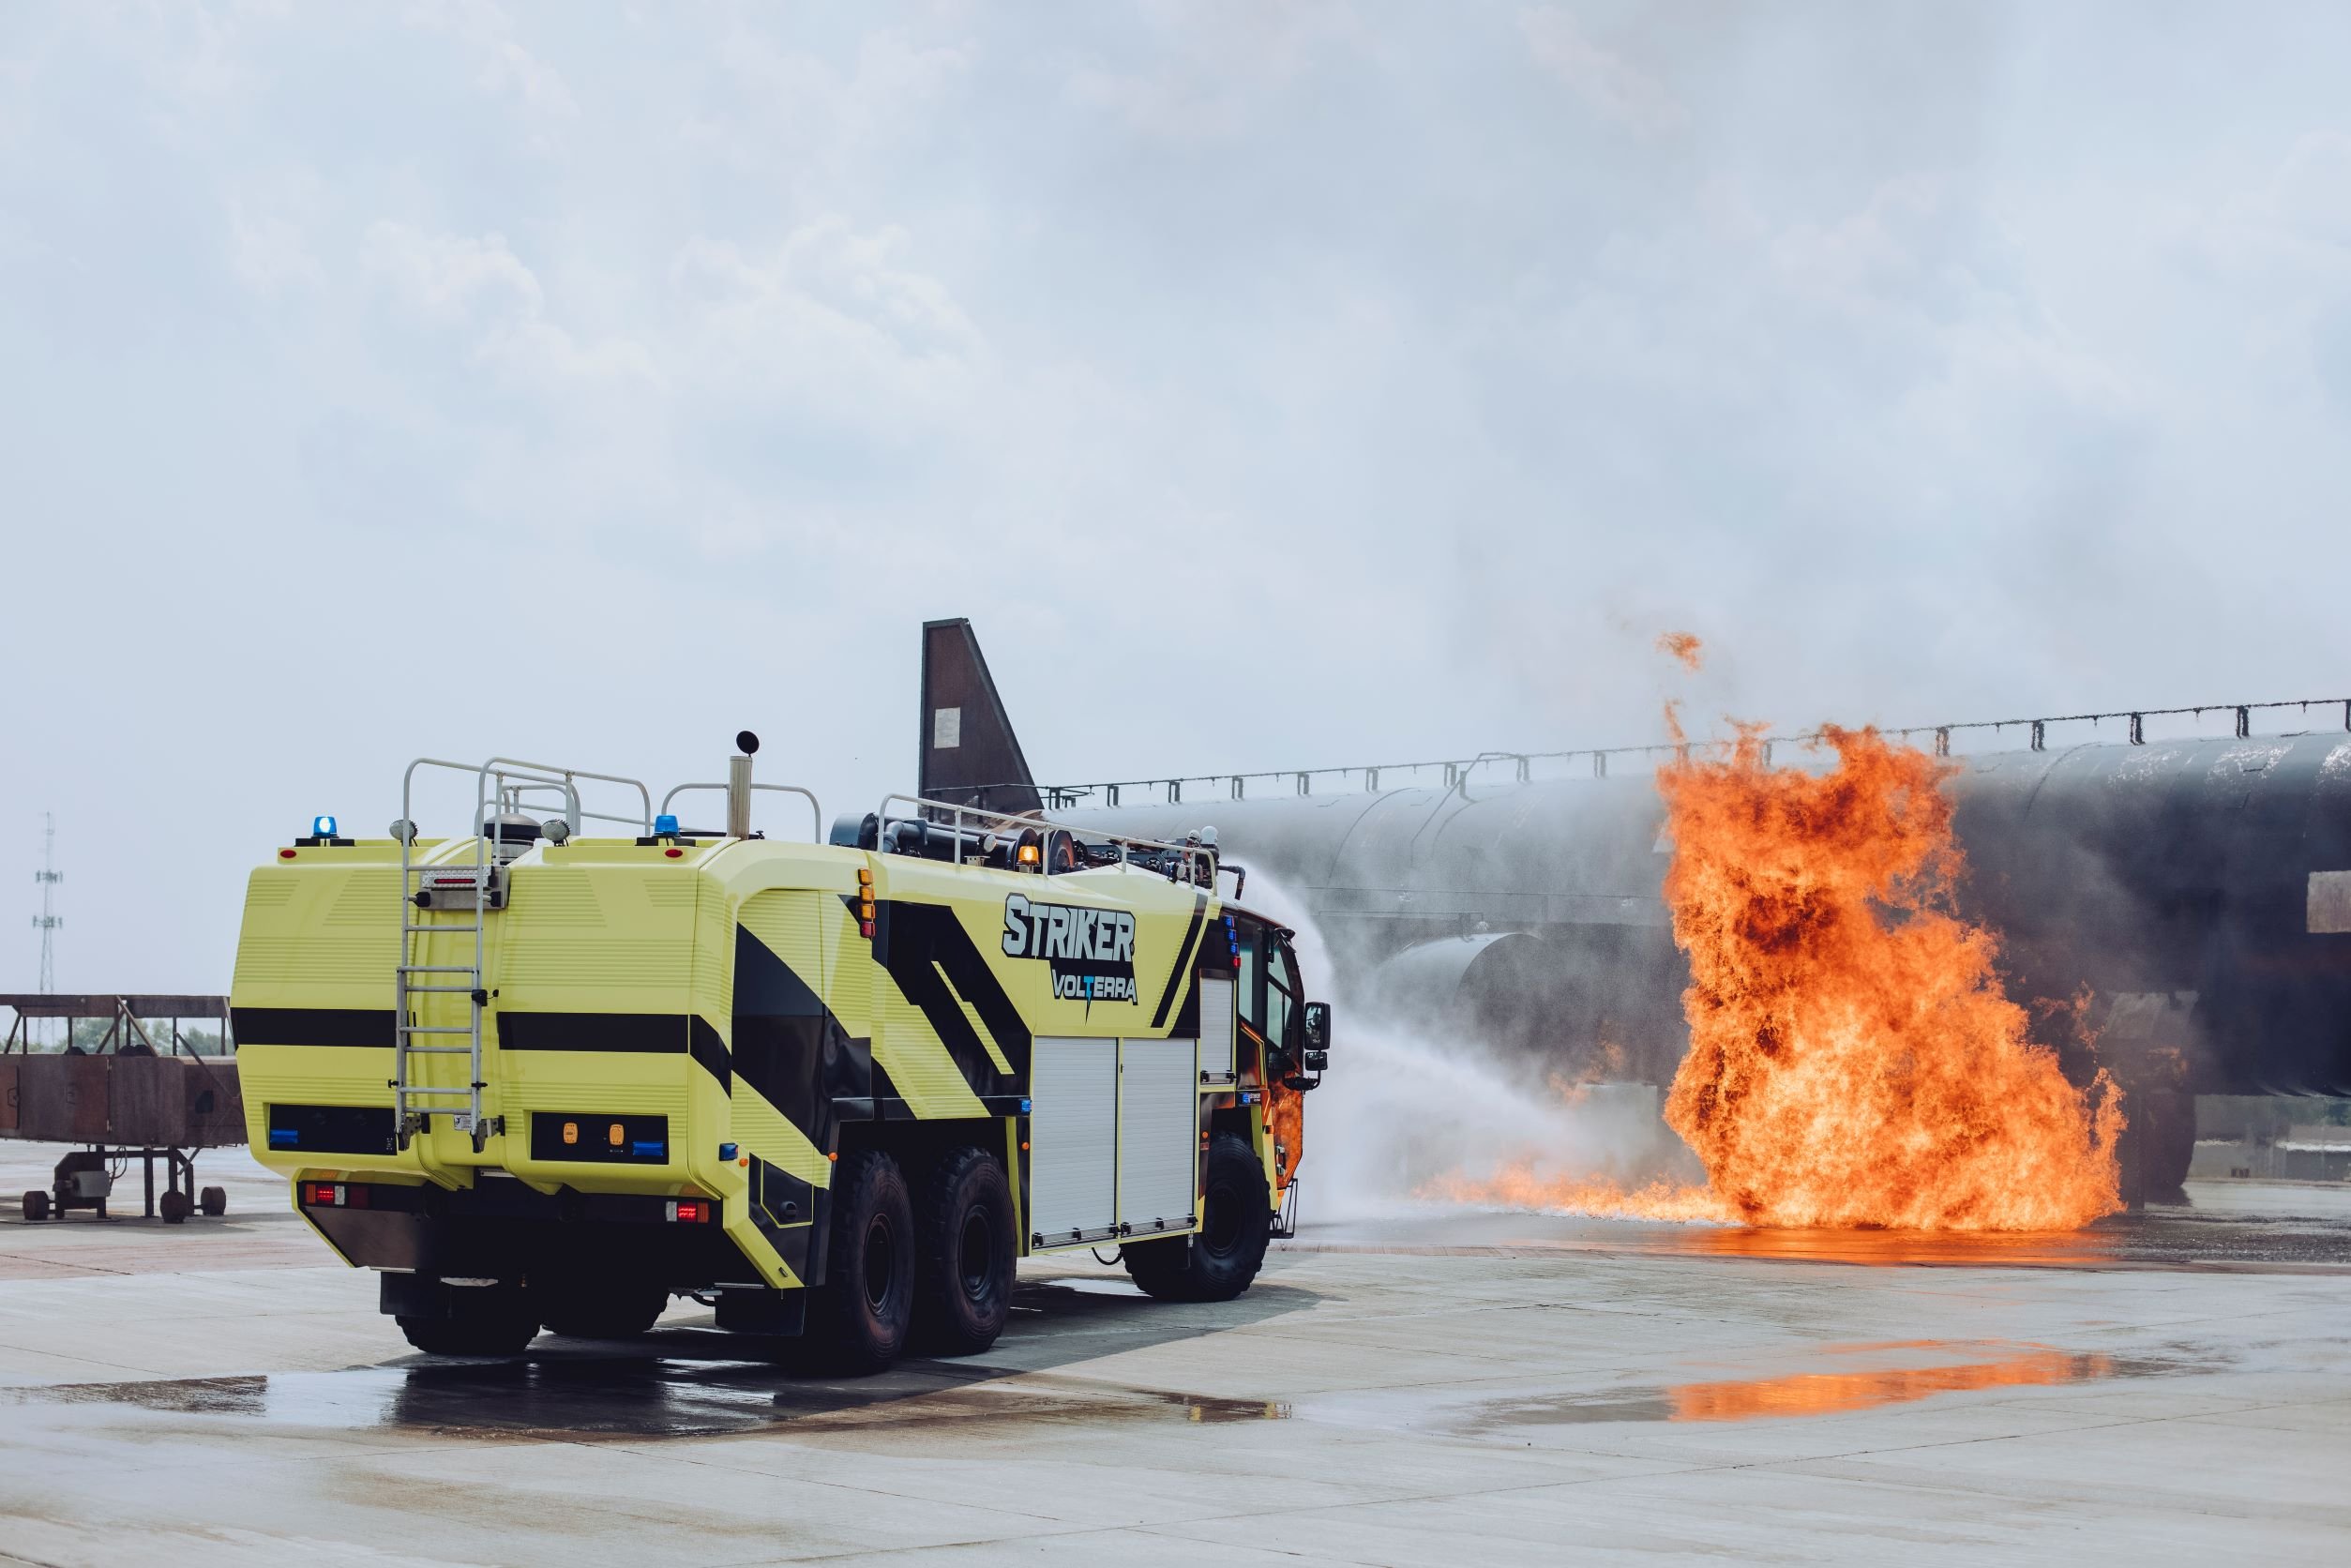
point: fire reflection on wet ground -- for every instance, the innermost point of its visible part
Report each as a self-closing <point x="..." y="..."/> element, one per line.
<point x="1893" y="1373"/>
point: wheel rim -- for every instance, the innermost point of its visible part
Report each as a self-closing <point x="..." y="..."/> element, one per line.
<point x="880" y="1262"/>
<point x="1221" y="1231"/>
<point x="976" y="1248"/>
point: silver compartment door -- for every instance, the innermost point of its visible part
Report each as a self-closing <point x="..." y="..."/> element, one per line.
<point x="1217" y="1030"/>
<point x="1073" y="1140"/>
<point x="1159" y="1135"/>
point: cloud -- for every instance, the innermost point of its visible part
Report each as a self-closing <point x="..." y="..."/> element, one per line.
<point x="479" y="283"/>
<point x="503" y="67"/>
<point x="1607" y="84"/>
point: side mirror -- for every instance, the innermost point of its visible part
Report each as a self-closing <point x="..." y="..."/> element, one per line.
<point x="1317" y="1026"/>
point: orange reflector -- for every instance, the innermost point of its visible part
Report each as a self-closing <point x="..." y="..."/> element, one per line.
<point x="616" y="1137"/>
<point x="864" y="876"/>
<point x="571" y="1132"/>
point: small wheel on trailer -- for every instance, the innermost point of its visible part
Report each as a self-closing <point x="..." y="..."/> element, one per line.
<point x="963" y="1273"/>
<point x="36" y="1205"/>
<point x="214" y="1202"/>
<point x="1218" y="1263"/>
<point x="174" y="1206"/>
<point x="581" y="1310"/>
<point x="858" y="1317"/>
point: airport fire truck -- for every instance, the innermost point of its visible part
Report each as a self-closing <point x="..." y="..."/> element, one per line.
<point x="542" y="1079"/>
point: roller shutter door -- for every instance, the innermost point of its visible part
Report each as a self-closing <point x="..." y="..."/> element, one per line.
<point x="1072" y="1135"/>
<point x="1159" y="1135"/>
<point x="1217" y="1030"/>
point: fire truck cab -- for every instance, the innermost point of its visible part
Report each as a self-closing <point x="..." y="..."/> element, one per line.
<point x="539" y="1077"/>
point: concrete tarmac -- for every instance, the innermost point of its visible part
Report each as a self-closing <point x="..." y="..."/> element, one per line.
<point x="1438" y="1387"/>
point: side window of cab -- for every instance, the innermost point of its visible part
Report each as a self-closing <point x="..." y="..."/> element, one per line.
<point x="1249" y="979"/>
<point x="1282" y="1003"/>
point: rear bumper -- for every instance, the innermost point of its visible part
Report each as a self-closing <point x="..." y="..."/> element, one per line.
<point x="501" y="1229"/>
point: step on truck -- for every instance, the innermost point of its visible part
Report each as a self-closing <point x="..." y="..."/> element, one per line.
<point x="543" y="1078"/>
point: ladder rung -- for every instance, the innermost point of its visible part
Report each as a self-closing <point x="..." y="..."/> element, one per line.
<point x="435" y="1028"/>
<point x="440" y="930"/>
<point x="412" y="1093"/>
<point x="438" y="969"/>
<point x="441" y="990"/>
<point x="440" y="1051"/>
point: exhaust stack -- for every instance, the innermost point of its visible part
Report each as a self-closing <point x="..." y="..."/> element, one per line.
<point x="739" y="786"/>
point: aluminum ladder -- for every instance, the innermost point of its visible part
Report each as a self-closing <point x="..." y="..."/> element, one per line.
<point x="414" y="1104"/>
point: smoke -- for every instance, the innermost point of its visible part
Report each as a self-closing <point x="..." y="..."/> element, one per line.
<point x="1404" y="1106"/>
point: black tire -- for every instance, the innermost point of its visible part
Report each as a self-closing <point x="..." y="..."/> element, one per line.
<point x="496" y="1329"/>
<point x="214" y="1202"/>
<point x="601" y="1311"/>
<point x="36" y="1205"/>
<point x="859" y="1317"/>
<point x="967" y="1249"/>
<point x="1219" y="1262"/>
<point x="174" y="1206"/>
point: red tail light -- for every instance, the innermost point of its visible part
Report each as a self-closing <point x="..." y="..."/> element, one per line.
<point x="693" y="1211"/>
<point x="333" y="1195"/>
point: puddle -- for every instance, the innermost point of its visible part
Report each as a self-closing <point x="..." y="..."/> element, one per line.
<point x="636" y="1398"/>
<point x="688" y="1381"/>
<point x="1830" y="1392"/>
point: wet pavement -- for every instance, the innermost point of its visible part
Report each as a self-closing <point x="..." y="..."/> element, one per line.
<point x="1423" y="1388"/>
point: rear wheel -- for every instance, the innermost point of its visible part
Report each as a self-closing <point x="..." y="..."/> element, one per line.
<point x="963" y="1279"/>
<point x="480" y="1322"/>
<point x="600" y="1311"/>
<point x="174" y="1206"/>
<point x="1219" y="1262"/>
<point x="858" y="1317"/>
<point x="36" y="1205"/>
<point x="214" y="1202"/>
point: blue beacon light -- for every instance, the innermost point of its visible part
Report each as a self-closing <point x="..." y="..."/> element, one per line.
<point x="665" y="826"/>
<point x="322" y="827"/>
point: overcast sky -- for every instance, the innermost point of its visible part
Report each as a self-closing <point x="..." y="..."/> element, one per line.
<point x="1271" y="384"/>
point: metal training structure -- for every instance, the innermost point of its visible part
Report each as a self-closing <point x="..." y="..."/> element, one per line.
<point x="133" y="1094"/>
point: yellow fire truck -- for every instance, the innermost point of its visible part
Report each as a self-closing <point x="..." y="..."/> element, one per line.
<point x="538" y="1078"/>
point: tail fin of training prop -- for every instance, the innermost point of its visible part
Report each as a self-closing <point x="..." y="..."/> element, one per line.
<point x="970" y="755"/>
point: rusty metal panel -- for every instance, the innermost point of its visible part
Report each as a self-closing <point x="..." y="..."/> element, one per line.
<point x="62" y="1099"/>
<point x="174" y="1102"/>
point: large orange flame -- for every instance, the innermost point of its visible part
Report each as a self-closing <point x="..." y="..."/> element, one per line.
<point x="1853" y="1061"/>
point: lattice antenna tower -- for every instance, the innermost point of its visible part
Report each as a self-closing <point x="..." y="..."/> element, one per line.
<point x="48" y="919"/>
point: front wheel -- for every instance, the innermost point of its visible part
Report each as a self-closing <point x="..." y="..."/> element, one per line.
<point x="964" y="1275"/>
<point x="1237" y="1217"/>
<point x="36" y="1205"/>
<point x="858" y="1317"/>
